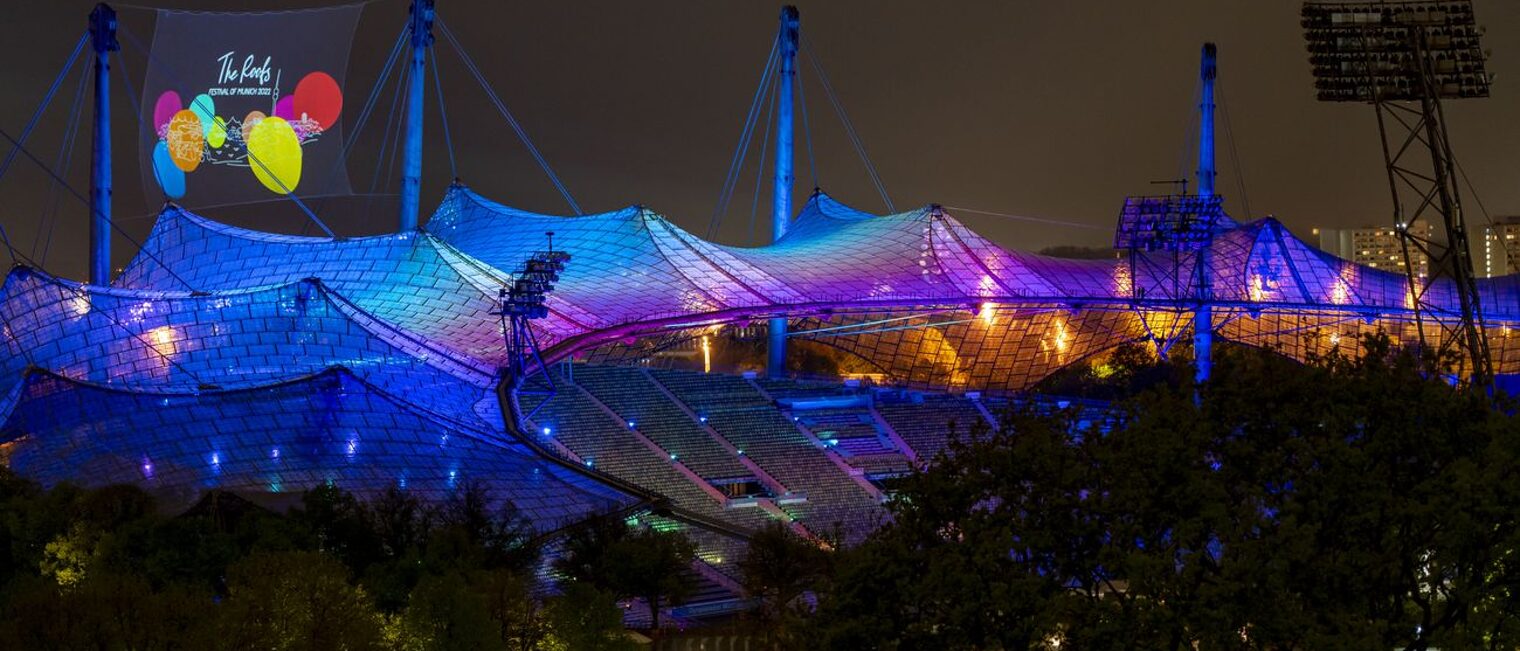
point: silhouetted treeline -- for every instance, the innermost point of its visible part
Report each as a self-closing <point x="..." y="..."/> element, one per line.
<point x="1362" y="502"/>
<point x="102" y="569"/>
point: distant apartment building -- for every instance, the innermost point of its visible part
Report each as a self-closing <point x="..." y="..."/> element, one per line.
<point x="1501" y="247"/>
<point x="1495" y="247"/>
<point x="1377" y="247"/>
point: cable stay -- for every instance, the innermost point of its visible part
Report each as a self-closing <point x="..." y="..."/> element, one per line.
<point x="86" y="201"/>
<point x="807" y="131"/>
<point x="390" y="136"/>
<point x="18" y="144"/>
<point x="1036" y="220"/>
<point x="31" y="124"/>
<point x="765" y="141"/>
<point x="47" y="217"/>
<point x="849" y="128"/>
<point x="443" y="116"/>
<point x="364" y="114"/>
<point x="1229" y="134"/>
<point x="502" y="108"/>
<point x="142" y="125"/>
<point x="1187" y="154"/>
<point x="741" y="150"/>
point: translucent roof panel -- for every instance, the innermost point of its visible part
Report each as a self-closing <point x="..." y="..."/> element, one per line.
<point x="635" y="272"/>
<point x="409" y="280"/>
<point x="177" y="342"/>
<point x="280" y="439"/>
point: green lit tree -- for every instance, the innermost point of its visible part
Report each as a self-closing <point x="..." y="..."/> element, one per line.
<point x="296" y="601"/>
<point x="584" y="618"/>
<point x="444" y="614"/>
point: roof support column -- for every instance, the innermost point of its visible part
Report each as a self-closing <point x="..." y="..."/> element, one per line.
<point x="103" y="38"/>
<point x="411" y="169"/>
<point x="1203" y="317"/>
<point x="781" y="197"/>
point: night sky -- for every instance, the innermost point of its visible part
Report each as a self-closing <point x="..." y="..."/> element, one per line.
<point x="1053" y="110"/>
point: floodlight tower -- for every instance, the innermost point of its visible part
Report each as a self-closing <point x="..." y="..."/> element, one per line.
<point x="1404" y="58"/>
<point x="103" y="40"/>
<point x="421" y="28"/>
<point x="781" y="197"/>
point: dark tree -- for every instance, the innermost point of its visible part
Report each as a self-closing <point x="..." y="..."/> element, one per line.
<point x="778" y="569"/>
<point x="587" y="619"/>
<point x="494" y="529"/>
<point x="654" y="565"/>
<point x="521" y="623"/>
<point x="296" y="601"/>
<point x="1361" y="503"/>
<point x="643" y="562"/>
<point x="341" y="525"/>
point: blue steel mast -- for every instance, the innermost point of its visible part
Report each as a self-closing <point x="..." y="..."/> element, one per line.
<point x="1203" y="317"/>
<point x="411" y="170"/>
<point x="781" y="198"/>
<point x="103" y="38"/>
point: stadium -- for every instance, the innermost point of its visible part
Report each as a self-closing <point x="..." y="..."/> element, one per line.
<point x="266" y="364"/>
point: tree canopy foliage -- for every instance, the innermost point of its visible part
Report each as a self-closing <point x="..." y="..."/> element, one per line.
<point x="1351" y="503"/>
<point x="103" y="569"/>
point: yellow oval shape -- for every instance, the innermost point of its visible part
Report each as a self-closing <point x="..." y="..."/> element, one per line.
<point x="274" y="155"/>
<point x="218" y="133"/>
<point x="185" y="140"/>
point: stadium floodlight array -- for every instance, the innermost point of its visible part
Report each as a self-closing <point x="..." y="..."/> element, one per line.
<point x="532" y="283"/>
<point x="1375" y="51"/>
<point x="1182" y="226"/>
<point x="1177" y="222"/>
<point x="523" y="300"/>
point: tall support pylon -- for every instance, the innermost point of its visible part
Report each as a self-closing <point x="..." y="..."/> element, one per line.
<point x="1203" y="316"/>
<point x="103" y="38"/>
<point x="781" y="198"/>
<point x="411" y="171"/>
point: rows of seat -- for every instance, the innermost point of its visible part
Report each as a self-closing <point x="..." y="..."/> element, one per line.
<point x="738" y="411"/>
<point x="927" y="426"/>
<point x="839" y="423"/>
<point x="789" y="389"/>
<point x="599" y="441"/>
<point x="636" y="399"/>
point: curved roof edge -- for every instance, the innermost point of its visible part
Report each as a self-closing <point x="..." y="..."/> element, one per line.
<point x="466" y="369"/>
<point x="507" y="443"/>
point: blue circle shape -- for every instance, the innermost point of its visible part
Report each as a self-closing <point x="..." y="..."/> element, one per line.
<point x="169" y="176"/>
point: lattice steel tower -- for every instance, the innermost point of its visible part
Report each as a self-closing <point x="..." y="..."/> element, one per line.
<point x="1404" y="58"/>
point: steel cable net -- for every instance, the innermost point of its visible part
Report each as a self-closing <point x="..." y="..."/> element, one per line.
<point x="284" y="438"/>
<point x="635" y="269"/>
<point x="404" y="321"/>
